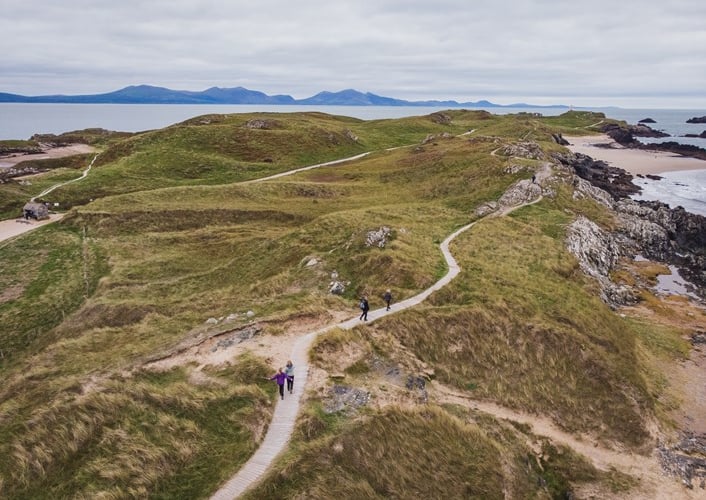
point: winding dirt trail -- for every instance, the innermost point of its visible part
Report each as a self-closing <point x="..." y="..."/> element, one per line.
<point x="654" y="483"/>
<point x="285" y="414"/>
<point x="57" y="186"/>
<point x="14" y="227"/>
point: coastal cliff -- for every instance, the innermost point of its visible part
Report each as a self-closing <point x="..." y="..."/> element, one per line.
<point x="648" y="228"/>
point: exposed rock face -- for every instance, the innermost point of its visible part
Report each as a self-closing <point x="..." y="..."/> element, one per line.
<point x="337" y="288"/>
<point x="440" y="118"/>
<point x="24" y="150"/>
<point x="631" y="131"/>
<point x="434" y="137"/>
<point x="378" y="238"/>
<point x="560" y="140"/>
<point x="616" y="181"/>
<point x="677" y="148"/>
<point x="260" y="124"/>
<point x="530" y="150"/>
<point x="345" y="399"/>
<point x="485" y="209"/>
<point x="687" y="460"/>
<point x="597" y="252"/>
<point x="702" y="135"/>
<point x="350" y="135"/>
<point x="626" y="137"/>
<point x="670" y="235"/>
<point x="697" y="119"/>
<point x="522" y="191"/>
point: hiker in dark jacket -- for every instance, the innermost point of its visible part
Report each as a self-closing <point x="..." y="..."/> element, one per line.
<point x="365" y="307"/>
<point x="387" y="298"/>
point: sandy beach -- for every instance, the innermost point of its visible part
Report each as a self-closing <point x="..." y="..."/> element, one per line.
<point x="635" y="161"/>
<point x="71" y="149"/>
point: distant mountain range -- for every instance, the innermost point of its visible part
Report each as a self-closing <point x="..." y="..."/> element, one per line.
<point x="147" y="94"/>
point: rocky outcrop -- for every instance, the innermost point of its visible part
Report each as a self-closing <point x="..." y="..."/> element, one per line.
<point x="647" y="120"/>
<point x="431" y="138"/>
<point x="337" y="286"/>
<point x="598" y="252"/>
<point x="378" y="237"/>
<point x="702" y="135"/>
<point x="526" y="149"/>
<point x="523" y="191"/>
<point x="615" y="181"/>
<point x="686" y="460"/>
<point x="677" y="148"/>
<point x="626" y="132"/>
<point x="669" y="235"/>
<point x="346" y="399"/>
<point x="697" y="119"/>
<point x="260" y="124"/>
<point x="560" y="140"/>
<point x="21" y="150"/>
<point x="625" y="136"/>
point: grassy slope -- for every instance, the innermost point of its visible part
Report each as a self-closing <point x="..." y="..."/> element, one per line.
<point x="170" y="241"/>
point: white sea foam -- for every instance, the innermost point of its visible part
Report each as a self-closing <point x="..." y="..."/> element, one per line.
<point x="683" y="188"/>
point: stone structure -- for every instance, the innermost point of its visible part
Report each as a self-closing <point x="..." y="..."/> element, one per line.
<point x="35" y="210"/>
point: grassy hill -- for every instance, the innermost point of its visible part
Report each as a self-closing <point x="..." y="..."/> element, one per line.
<point x="163" y="235"/>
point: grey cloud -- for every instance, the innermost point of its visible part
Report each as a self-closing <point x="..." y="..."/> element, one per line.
<point x="447" y="49"/>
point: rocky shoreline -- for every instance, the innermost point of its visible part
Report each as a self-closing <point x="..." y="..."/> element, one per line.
<point x="648" y="228"/>
<point x="653" y="230"/>
<point x="626" y="137"/>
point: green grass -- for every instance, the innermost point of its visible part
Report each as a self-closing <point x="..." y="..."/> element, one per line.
<point x="155" y="434"/>
<point x="422" y="454"/>
<point x="171" y="239"/>
<point x="526" y="327"/>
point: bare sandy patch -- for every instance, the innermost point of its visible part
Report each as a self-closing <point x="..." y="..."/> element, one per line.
<point x="276" y="349"/>
<point x="635" y="161"/>
<point x="58" y="152"/>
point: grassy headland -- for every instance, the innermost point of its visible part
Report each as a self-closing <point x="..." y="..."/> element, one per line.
<point x="162" y="237"/>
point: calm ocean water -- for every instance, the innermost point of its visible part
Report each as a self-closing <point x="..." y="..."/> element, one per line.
<point x="21" y="121"/>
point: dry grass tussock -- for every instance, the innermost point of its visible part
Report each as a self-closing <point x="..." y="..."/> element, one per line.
<point x="141" y="431"/>
<point x="174" y="243"/>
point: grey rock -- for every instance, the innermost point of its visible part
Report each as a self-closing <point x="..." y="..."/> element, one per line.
<point x="378" y="237"/>
<point x="345" y="399"/>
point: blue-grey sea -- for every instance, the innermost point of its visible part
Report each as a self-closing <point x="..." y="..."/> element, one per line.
<point x="687" y="188"/>
<point x="21" y="121"/>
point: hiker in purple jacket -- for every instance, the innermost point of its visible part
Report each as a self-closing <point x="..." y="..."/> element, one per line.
<point x="280" y="377"/>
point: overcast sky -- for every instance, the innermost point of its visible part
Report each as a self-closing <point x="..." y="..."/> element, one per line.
<point x="629" y="53"/>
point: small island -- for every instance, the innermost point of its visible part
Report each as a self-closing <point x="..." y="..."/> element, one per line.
<point x="697" y="119"/>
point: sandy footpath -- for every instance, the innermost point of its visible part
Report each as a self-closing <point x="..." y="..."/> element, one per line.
<point x="14" y="227"/>
<point x="635" y="161"/>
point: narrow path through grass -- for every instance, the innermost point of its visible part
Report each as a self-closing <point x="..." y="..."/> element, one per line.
<point x="286" y="410"/>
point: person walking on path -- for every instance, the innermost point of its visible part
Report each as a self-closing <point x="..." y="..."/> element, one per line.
<point x="387" y="298"/>
<point x="280" y="377"/>
<point x="365" y="307"/>
<point x="289" y="372"/>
